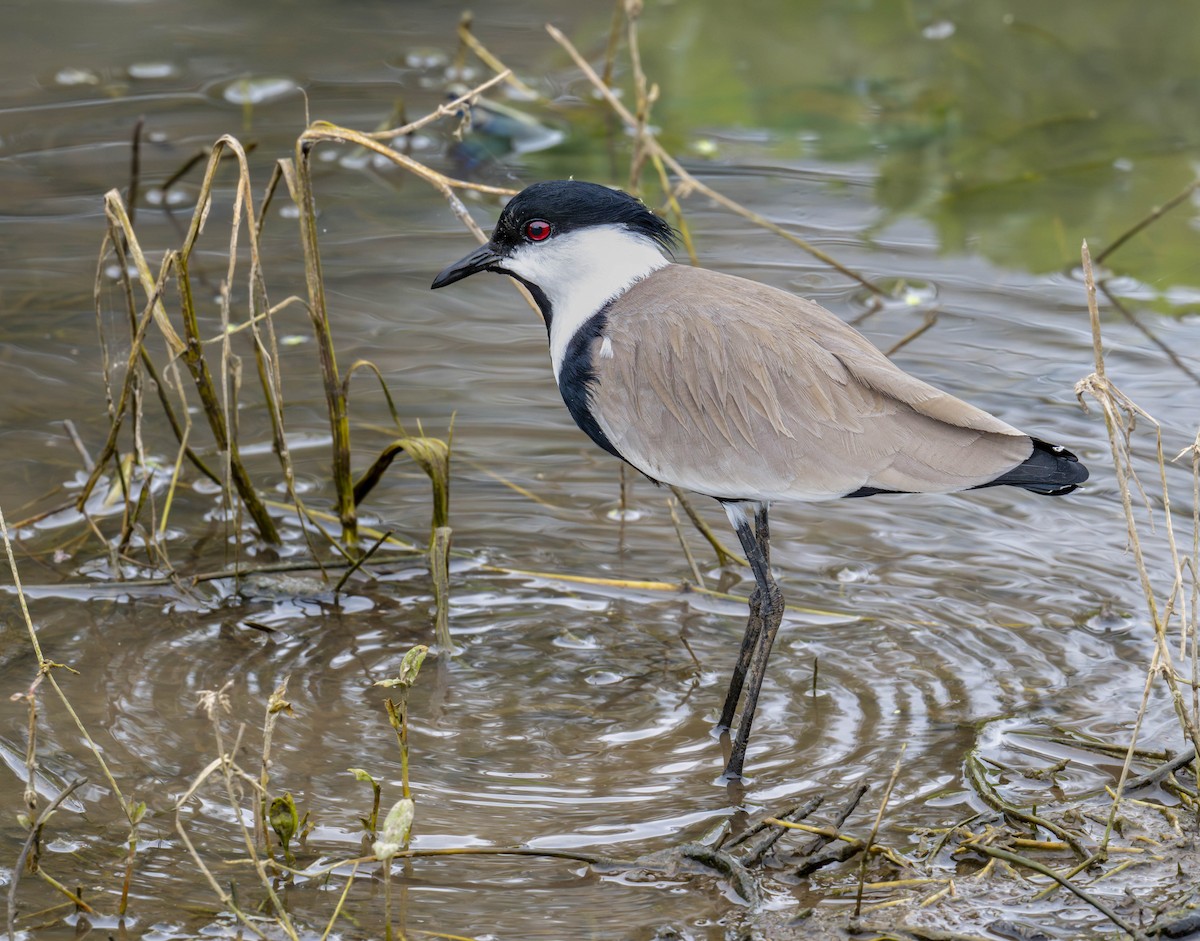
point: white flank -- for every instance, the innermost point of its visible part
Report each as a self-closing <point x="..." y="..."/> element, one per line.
<point x="580" y="272"/>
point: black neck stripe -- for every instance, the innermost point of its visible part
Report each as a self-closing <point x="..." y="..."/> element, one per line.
<point x="577" y="378"/>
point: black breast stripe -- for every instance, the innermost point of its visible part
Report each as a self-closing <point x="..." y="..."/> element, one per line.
<point x="577" y="376"/>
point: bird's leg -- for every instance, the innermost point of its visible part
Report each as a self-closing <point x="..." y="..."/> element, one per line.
<point x="749" y="643"/>
<point x="757" y="548"/>
<point x="753" y="633"/>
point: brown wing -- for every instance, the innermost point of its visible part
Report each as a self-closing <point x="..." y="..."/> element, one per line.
<point x="737" y="390"/>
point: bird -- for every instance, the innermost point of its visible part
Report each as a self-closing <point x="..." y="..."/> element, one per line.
<point x="735" y="390"/>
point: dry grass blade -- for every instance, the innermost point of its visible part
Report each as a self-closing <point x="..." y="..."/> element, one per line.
<point x="1018" y="860"/>
<point x="213" y="395"/>
<point x="46" y="669"/>
<point x="432" y="455"/>
<point x="977" y="778"/>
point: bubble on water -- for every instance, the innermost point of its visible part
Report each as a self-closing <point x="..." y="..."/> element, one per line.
<point x="604" y="678"/>
<point x="426" y="57"/>
<point x="176" y="197"/>
<point x="259" y="89"/>
<point x="855" y="572"/>
<point x="942" y="29"/>
<point x="1109" y="621"/>
<point x="70" y="77"/>
<point x="149" y="71"/>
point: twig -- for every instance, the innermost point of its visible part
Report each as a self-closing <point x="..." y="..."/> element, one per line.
<point x="360" y="561"/>
<point x="1153" y="216"/>
<point x="1037" y="867"/>
<point x="1169" y="353"/>
<point x="446" y="110"/>
<point x="931" y="318"/>
<point x="88" y="463"/>
<point x="766" y="833"/>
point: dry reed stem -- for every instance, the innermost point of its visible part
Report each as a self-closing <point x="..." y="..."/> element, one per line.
<point x="619" y="584"/>
<point x="1120" y="414"/>
<point x="276" y="706"/>
<point x="887" y="795"/>
<point x="467" y="38"/>
<point x="687" y="552"/>
<point x="725" y="555"/>
<point x="1169" y="353"/>
<point x="614" y="39"/>
<point x="439" y="570"/>
<point x="46" y="667"/>
<point x="977" y="778"/>
<point x="297" y="175"/>
<point x="688" y="183"/>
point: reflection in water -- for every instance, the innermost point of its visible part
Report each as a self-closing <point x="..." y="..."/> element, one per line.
<point x="580" y="717"/>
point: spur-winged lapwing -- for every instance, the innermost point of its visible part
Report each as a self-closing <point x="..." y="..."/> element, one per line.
<point x="735" y="390"/>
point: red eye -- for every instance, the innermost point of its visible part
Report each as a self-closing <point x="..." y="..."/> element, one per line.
<point x="538" y="230"/>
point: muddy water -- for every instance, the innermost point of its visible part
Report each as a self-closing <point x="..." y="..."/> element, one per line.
<point x="574" y="717"/>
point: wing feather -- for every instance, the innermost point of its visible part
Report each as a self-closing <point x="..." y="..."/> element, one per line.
<point x="737" y="390"/>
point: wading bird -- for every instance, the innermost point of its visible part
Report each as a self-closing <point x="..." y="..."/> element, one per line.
<point x="735" y="390"/>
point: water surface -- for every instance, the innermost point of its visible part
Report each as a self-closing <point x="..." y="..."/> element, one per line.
<point x="960" y="152"/>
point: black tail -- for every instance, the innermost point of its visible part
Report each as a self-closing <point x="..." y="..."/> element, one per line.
<point x="1049" y="469"/>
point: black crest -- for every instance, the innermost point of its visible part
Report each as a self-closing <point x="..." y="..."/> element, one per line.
<point x="571" y="204"/>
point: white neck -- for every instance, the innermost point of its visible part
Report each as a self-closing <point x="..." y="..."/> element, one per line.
<point x="580" y="272"/>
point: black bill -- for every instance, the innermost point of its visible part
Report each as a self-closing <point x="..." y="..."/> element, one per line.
<point x="484" y="258"/>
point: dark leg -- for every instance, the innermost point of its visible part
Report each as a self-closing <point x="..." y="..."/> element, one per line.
<point x="745" y="655"/>
<point x="754" y="625"/>
<point x="757" y="548"/>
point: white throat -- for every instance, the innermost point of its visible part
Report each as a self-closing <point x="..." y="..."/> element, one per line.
<point x="580" y="272"/>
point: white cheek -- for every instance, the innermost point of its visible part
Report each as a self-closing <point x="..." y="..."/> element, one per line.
<point x="580" y="272"/>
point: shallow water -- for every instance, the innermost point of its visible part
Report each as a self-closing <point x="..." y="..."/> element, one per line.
<point x="579" y="717"/>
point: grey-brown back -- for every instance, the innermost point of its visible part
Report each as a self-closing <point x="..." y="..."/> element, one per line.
<point x="737" y="390"/>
